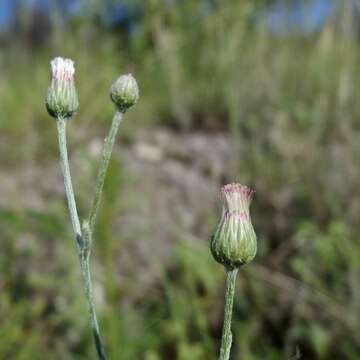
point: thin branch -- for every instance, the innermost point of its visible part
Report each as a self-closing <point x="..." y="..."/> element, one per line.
<point x="226" y="339"/>
<point x="104" y="164"/>
<point x="84" y="240"/>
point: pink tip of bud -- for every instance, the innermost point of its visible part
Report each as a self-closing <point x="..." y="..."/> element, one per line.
<point x="62" y="69"/>
<point x="236" y="188"/>
<point x="236" y="197"/>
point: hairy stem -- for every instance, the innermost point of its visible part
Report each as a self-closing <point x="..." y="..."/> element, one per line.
<point x="64" y="162"/>
<point x="86" y="276"/>
<point x="83" y="240"/>
<point x="107" y="151"/>
<point x="229" y="300"/>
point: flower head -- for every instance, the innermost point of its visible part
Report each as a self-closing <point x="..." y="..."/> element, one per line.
<point x="124" y="92"/>
<point x="234" y="240"/>
<point x="61" y="100"/>
<point x="62" y="69"/>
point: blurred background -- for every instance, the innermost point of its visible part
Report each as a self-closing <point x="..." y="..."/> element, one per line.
<point x="261" y="92"/>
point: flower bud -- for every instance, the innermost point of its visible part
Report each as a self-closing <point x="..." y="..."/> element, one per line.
<point x="124" y="92"/>
<point x="61" y="100"/>
<point x="234" y="241"/>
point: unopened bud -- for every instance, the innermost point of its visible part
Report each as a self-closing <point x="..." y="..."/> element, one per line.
<point x="124" y="92"/>
<point x="61" y="100"/>
<point x="234" y="241"/>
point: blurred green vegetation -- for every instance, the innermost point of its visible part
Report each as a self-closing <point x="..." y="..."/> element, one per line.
<point x="289" y="106"/>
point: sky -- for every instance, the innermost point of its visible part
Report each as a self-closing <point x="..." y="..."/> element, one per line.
<point x="5" y="11"/>
<point x="300" y="16"/>
<point x="7" y="7"/>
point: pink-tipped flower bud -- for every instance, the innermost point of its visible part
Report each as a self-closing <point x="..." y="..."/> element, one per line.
<point x="234" y="241"/>
<point x="124" y="92"/>
<point x="61" y="100"/>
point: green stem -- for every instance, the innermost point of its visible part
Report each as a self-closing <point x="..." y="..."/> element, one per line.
<point x="229" y="300"/>
<point x="107" y="151"/>
<point x="86" y="276"/>
<point x="64" y="162"/>
<point x="84" y="243"/>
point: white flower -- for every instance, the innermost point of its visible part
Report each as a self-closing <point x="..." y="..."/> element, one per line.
<point x="61" y="100"/>
<point x="62" y="69"/>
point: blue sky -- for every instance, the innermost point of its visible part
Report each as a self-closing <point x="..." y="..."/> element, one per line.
<point x="5" y="11"/>
<point x="7" y="7"/>
<point x="300" y="16"/>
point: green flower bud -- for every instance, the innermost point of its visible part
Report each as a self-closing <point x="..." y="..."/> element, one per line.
<point x="124" y="92"/>
<point x="234" y="241"/>
<point x="61" y="100"/>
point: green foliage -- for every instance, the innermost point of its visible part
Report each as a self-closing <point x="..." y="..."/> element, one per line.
<point x="289" y="108"/>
